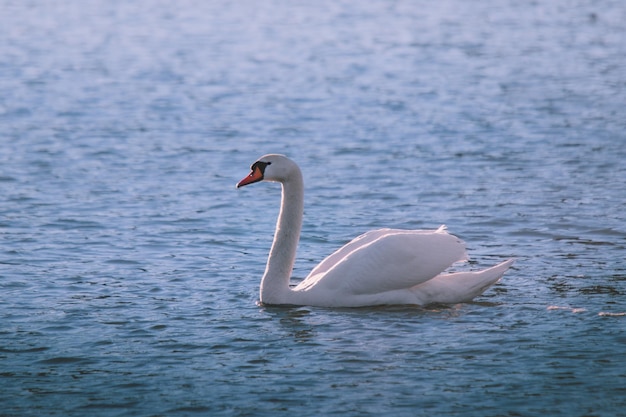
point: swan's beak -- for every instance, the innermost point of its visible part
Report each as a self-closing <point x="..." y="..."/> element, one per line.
<point x="255" y="176"/>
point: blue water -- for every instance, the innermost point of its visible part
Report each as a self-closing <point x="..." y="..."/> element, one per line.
<point x="130" y="265"/>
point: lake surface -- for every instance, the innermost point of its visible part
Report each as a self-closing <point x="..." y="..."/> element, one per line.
<point x="130" y="264"/>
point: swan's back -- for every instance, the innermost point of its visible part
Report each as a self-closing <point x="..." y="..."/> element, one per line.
<point x="386" y="260"/>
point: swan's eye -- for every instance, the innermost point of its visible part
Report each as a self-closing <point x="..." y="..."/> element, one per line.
<point x="260" y="165"/>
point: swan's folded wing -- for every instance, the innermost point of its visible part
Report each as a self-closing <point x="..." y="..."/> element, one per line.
<point x="343" y="251"/>
<point x="390" y="261"/>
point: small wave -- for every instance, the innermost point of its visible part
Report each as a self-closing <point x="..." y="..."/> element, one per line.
<point x="582" y="310"/>
<point x="120" y="261"/>
<point x="28" y="350"/>
<point x="566" y="308"/>
<point x="62" y="360"/>
<point x="610" y="314"/>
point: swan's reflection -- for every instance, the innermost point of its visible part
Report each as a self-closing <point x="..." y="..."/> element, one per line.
<point x="292" y="320"/>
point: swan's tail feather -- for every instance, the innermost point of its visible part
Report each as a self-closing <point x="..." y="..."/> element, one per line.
<point x="460" y="287"/>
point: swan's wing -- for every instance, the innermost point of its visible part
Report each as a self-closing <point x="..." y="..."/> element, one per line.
<point x="386" y="260"/>
<point x="342" y="252"/>
<point x="360" y="241"/>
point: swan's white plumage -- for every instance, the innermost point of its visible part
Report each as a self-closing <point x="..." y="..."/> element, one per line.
<point x="385" y="266"/>
<point x="387" y="260"/>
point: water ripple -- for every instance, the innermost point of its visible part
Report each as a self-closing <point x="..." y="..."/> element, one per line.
<point x="130" y="265"/>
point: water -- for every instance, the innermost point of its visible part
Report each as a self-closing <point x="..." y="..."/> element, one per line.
<point x="130" y="265"/>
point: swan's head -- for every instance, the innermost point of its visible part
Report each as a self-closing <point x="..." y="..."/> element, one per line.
<point x="272" y="167"/>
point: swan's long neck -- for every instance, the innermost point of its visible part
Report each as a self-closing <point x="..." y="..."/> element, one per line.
<point x="275" y="282"/>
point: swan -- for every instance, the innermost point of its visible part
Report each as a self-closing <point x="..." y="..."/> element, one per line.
<point x="380" y="267"/>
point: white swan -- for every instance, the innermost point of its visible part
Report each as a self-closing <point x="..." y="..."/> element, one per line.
<point x="385" y="266"/>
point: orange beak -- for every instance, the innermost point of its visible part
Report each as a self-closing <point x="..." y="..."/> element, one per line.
<point x="255" y="176"/>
